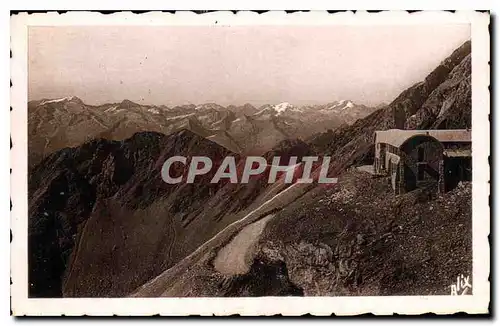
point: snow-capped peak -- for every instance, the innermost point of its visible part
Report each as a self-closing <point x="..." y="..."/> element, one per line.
<point x="112" y="108"/>
<point x="282" y="107"/>
<point x="339" y="106"/>
<point x="277" y="109"/>
<point x="68" y="98"/>
<point x="285" y="106"/>
<point x="348" y="105"/>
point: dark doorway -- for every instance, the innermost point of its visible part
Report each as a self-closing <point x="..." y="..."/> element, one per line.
<point x="457" y="169"/>
<point x="422" y="158"/>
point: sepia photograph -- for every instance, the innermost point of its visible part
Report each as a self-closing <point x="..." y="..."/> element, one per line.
<point x="241" y="158"/>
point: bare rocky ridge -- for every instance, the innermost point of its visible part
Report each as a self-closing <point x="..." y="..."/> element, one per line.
<point x="103" y="223"/>
<point x="446" y="87"/>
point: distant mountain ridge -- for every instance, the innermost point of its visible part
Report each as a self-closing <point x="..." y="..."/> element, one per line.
<point x="67" y="122"/>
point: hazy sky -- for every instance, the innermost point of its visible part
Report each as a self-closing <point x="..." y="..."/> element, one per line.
<point x="235" y="65"/>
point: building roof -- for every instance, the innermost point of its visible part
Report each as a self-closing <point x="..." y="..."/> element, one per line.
<point x="397" y="137"/>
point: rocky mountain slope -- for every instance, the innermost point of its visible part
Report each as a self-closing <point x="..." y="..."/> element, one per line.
<point x="351" y="239"/>
<point x="102" y="221"/>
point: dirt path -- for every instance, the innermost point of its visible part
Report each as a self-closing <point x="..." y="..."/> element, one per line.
<point x="237" y="256"/>
<point x="159" y="285"/>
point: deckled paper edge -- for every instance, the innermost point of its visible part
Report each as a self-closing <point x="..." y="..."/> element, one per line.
<point x="476" y="303"/>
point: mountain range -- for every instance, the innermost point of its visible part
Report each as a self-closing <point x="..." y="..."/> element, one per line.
<point x="102" y="223"/>
<point x="67" y="122"/>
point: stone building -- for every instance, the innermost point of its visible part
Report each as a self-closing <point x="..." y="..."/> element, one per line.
<point x="423" y="158"/>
